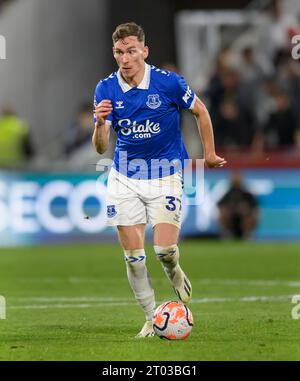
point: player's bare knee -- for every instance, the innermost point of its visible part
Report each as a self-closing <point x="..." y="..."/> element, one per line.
<point x="167" y="253"/>
<point x="132" y="244"/>
<point x="131" y="237"/>
<point x="165" y="234"/>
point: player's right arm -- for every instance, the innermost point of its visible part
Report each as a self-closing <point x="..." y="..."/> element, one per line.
<point x="102" y="127"/>
<point x="212" y="160"/>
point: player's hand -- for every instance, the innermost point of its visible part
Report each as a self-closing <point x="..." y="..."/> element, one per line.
<point x="103" y="110"/>
<point x="214" y="161"/>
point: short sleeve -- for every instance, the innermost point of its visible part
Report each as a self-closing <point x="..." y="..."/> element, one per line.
<point x="182" y="94"/>
<point x="100" y="94"/>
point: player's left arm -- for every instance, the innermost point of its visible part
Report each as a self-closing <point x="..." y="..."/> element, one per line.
<point x="204" y="124"/>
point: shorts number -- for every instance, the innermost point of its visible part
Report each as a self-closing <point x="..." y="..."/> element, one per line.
<point x="171" y="205"/>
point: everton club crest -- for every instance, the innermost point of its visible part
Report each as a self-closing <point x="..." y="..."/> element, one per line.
<point x="153" y="101"/>
<point x="111" y="211"/>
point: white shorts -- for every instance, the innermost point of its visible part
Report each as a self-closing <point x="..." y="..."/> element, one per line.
<point x="132" y="201"/>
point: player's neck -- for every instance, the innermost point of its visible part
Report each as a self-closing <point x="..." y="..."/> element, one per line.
<point x="136" y="79"/>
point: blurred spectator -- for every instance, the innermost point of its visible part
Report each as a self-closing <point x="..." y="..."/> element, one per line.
<point x="266" y="92"/>
<point x="215" y="90"/>
<point x="238" y="210"/>
<point x="233" y="127"/>
<point x="281" y="129"/>
<point x="265" y="104"/>
<point x="231" y="108"/>
<point x="278" y="32"/>
<point x="290" y="81"/>
<point x="80" y="131"/>
<point x="250" y="69"/>
<point x="15" y="146"/>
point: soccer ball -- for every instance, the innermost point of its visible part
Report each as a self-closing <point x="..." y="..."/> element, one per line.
<point x="173" y="321"/>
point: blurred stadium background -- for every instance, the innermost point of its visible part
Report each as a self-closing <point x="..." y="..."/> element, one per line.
<point x="236" y="54"/>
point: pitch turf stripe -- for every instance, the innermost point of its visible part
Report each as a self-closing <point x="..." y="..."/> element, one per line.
<point x="215" y="281"/>
<point x="121" y="300"/>
<point x="133" y="302"/>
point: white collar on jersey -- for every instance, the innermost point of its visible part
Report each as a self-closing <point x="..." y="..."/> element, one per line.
<point x="144" y="85"/>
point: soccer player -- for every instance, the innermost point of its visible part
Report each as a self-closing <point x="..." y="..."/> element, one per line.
<point x="142" y="104"/>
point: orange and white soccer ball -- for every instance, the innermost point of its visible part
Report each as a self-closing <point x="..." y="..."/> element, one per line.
<point x="173" y="321"/>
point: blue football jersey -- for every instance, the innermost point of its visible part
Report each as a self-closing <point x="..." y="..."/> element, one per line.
<point x="146" y="119"/>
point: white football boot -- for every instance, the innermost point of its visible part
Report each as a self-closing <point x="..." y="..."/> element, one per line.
<point x="146" y="331"/>
<point x="182" y="286"/>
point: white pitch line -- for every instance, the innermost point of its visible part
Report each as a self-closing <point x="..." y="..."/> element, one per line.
<point x="246" y="282"/>
<point x="244" y="299"/>
<point x="126" y="302"/>
<point x="86" y="305"/>
<point x="70" y="299"/>
<point x="251" y="282"/>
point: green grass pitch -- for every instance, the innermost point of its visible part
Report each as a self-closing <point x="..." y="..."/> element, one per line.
<point x="74" y="303"/>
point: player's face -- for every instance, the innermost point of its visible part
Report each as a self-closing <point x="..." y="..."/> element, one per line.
<point x="130" y="55"/>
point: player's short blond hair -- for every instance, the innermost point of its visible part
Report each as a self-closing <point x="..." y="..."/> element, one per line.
<point x="128" y="29"/>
